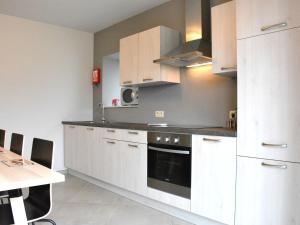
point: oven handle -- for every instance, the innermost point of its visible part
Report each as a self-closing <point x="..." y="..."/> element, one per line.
<point x="169" y="151"/>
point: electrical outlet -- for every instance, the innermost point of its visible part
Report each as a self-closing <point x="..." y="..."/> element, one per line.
<point x="159" y="114"/>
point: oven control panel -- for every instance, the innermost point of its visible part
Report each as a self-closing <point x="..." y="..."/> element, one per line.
<point x="170" y="139"/>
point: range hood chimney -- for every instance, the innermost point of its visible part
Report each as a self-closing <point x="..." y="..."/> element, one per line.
<point x="196" y="51"/>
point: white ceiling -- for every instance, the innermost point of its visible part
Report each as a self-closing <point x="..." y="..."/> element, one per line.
<point x="87" y="15"/>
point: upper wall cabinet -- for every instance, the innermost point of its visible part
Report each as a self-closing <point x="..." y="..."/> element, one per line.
<point x="138" y="51"/>
<point x="257" y="17"/>
<point x="224" y="38"/>
<point x="129" y="57"/>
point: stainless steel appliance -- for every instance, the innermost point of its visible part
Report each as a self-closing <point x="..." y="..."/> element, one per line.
<point x="169" y="163"/>
<point x="129" y="96"/>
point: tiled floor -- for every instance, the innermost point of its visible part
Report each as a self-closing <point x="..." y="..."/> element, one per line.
<point x="77" y="202"/>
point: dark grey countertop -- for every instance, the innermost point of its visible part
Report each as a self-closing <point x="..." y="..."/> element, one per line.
<point x="213" y="131"/>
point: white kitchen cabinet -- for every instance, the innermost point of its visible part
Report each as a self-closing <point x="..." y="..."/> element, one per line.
<point x="133" y="167"/>
<point x="111" y="162"/>
<point x="213" y="178"/>
<point x="268" y="192"/>
<point x="71" y="145"/>
<point x="224" y="38"/>
<point x="268" y="90"/>
<point x="153" y="44"/>
<point x="255" y="17"/>
<point x="137" y="68"/>
<point x="129" y="60"/>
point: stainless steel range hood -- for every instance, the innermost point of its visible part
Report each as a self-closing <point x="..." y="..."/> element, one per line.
<point x="195" y="52"/>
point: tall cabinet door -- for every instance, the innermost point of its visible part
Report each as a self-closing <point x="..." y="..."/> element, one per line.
<point x="224" y="38"/>
<point x="260" y="17"/>
<point x="149" y="50"/>
<point x="213" y="178"/>
<point x="268" y="90"/>
<point x="129" y="50"/>
<point x="268" y="192"/>
<point x="70" y="145"/>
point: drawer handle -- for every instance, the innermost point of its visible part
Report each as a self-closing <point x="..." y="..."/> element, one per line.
<point x="211" y="140"/>
<point x="274" y="26"/>
<point x="228" y="68"/>
<point x="132" y="146"/>
<point x="274" y="145"/>
<point x="147" y="79"/>
<point x="133" y="132"/>
<point x="111" y="131"/>
<point x="110" y="142"/>
<point x="127" y="82"/>
<point x="72" y="127"/>
<point x="279" y="166"/>
<point x="89" y="128"/>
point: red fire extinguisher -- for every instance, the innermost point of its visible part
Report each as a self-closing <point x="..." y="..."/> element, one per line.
<point x="96" y="76"/>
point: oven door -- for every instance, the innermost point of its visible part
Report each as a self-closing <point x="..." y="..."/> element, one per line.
<point x="169" y="169"/>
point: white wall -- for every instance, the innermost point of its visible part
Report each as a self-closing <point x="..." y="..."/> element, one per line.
<point x="111" y="88"/>
<point x="45" y="74"/>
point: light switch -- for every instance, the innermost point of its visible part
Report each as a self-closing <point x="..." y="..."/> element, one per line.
<point x="159" y="114"/>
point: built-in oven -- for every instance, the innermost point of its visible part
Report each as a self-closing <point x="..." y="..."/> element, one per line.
<point x="169" y="163"/>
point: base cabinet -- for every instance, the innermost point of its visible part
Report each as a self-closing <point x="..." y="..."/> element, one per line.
<point x="213" y="178"/>
<point x="268" y="192"/>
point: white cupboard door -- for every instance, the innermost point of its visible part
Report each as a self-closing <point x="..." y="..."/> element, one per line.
<point x="70" y="145"/>
<point x="129" y="60"/>
<point x="97" y="154"/>
<point x="255" y="17"/>
<point x="224" y="38"/>
<point x="112" y="161"/>
<point x="149" y="50"/>
<point x="268" y="192"/>
<point x="213" y="178"/>
<point x="268" y="90"/>
<point x="134" y="167"/>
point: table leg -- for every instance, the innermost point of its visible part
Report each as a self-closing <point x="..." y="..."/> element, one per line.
<point x="17" y="206"/>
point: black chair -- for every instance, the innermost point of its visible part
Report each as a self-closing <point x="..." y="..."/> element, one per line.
<point x="39" y="201"/>
<point x="16" y="144"/>
<point x="2" y="138"/>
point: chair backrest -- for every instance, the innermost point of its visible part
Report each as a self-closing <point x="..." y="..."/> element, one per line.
<point x="2" y="138"/>
<point x="42" y="153"/>
<point x="16" y="144"/>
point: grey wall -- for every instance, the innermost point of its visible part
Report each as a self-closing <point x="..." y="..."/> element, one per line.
<point x="202" y="97"/>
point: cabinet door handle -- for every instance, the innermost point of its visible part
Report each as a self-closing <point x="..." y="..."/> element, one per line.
<point x="274" y="145"/>
<point x="228" y="68"/>
<point x="72" y="127"/>
<point x="274" y="26"/>
<point x="211" y="140"/>
<point x="133" y="132"/>
<point x="279" y="166"/>
<point x="147" y="79"/>
<point x="110" y="142"/>
<point x="111" y="131"/>
<point x="127" y="82"/>
<point x="133" y="146"/>
<point x="89" y="128"/>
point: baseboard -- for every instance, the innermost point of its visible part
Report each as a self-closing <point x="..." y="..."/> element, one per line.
<point x="181" y="214"/>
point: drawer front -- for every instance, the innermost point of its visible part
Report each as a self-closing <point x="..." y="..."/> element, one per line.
<point x="268" y="192"/>
<point x="112" y="133"/>
<point x="255" y="17"/>
<point x="137" y="136"/>
<point x="268" y="90"/>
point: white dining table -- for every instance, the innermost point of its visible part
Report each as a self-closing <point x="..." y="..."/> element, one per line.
<point x="18" y="177"/>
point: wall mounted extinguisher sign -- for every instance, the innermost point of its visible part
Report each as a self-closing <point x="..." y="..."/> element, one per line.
<point x="96" y="76"/>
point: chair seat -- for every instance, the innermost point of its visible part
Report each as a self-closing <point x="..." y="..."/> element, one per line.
<point x="6" y="216"/>
<point x="3" y="194"/>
